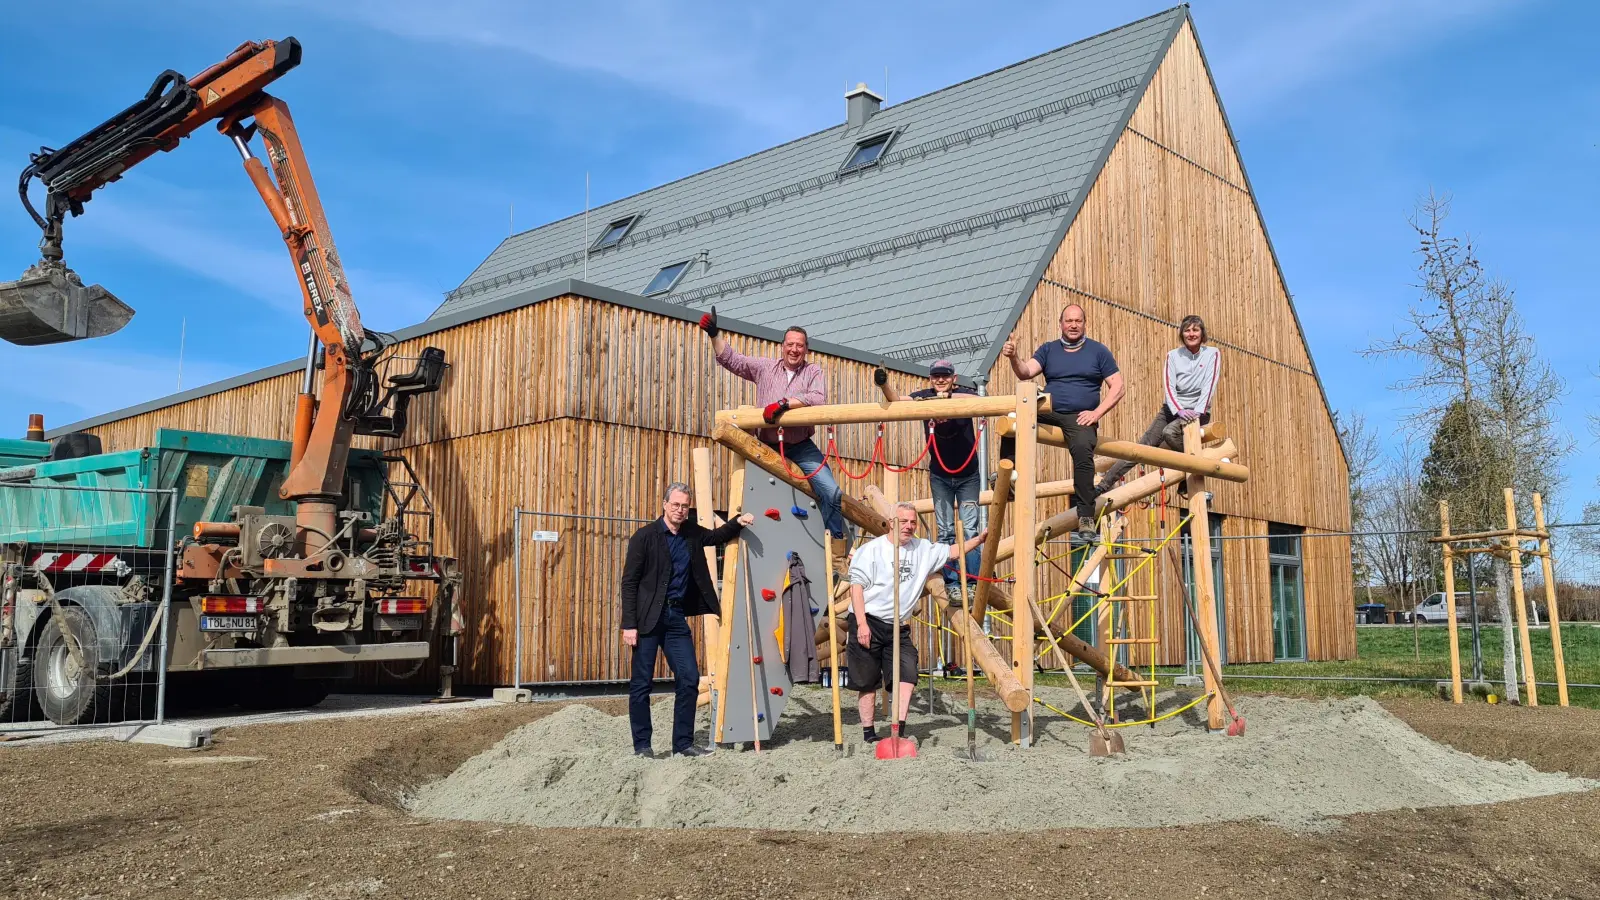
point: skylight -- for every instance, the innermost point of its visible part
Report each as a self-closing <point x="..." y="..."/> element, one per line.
<point x="867" y="152"/>
<point x="614" y="233"/>
<point x="667" y="278"/>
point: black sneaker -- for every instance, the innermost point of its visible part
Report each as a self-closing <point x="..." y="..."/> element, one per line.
<point x="871" y="740"/>
<point x="645" y="754"/>
<point x="1084" y="537"/>
<point x="693" y="751"/>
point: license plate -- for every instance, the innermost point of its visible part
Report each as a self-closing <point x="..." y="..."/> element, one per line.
<point x="399" y="623"/>
<point x="229" y="623"/>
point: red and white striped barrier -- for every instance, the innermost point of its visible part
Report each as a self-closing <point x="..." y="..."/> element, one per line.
<point x="84" y="563"/>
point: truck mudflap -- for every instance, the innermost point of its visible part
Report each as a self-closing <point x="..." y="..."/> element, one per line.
<point x="303" y="656"/>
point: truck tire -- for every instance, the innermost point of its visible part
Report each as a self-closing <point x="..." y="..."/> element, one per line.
<point x="66" y="692"/>
<point x="16" y="704"/>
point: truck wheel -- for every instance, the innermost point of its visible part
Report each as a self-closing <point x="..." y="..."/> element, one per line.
<point x="69" y="693"/>
<point x="16" y="704"/>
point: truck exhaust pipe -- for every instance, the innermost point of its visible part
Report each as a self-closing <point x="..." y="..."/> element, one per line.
<point x="50" y="305"/>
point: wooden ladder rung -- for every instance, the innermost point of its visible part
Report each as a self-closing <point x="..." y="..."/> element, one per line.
<point x="1131" y="598"/>
<point x="1127" y="684"/>
<point x="1145" y="640"/>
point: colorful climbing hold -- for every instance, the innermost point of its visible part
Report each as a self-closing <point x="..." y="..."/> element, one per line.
<point x="773" y="514"/>
<point x="756" y="660"/>
<point x="777" y="691"/>
<point x="798" y="512"/>
<point x="769" y="594"/>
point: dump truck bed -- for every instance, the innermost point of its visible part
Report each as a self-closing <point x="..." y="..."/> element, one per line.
<point x="47" y="502"/>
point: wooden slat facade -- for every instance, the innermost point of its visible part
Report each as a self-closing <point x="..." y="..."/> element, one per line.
<point x="575" y="405"/>
<point x="1170" y="228"/>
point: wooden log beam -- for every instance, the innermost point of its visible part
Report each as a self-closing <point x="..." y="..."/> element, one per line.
<point x="1053" y="436"/>
<point x="963" y="407"/>
<point x="1205" y="592"/>
<point x="1450" y="604"/>
<point x="700" y="459"/>
<point x="745" y="445"/>
<point x="1000" y="499"/>
<point x="1552" y="607"/>
<point x="1024" y="510"/>
<point x="1193" y="463"/>
<point x="1118" y="498"/>
<point x="1084" y="652"/>
<point x="730" y="566"/>
<point x="1520" y="533"/>
<point x="1517" y="597"/>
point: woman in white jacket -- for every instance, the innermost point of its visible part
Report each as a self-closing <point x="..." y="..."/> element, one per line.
<point x="1188" y="385"/>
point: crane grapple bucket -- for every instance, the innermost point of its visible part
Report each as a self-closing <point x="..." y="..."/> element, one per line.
<point x="50" y="305"/>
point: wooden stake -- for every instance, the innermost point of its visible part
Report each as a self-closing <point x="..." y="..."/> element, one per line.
<point x="1450" y="602"/>
<point x="730" y="569"/>
<point x="1514" y="547"/>
<point x="991" y="543"/>
<point x="833" y="646"/>
<point x="711" y="626"/>
<point x="1200" y="542"/>
<point x="750" y="631"/>
<point x="1551" y="606"/>
<point x="1024" y="510"/>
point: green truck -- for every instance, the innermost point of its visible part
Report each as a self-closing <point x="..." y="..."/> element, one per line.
<point x="91" y="544"/>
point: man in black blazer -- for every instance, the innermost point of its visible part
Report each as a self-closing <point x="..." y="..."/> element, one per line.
<point x="665" y="580"/>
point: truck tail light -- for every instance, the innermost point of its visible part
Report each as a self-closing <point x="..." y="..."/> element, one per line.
<point x="400" y="606"/>
<point x="227" y="605"/>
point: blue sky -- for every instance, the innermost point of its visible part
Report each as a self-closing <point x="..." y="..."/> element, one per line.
<point x="427" y="124"/>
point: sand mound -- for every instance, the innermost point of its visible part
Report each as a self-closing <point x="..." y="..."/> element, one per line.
<point x="1299" y="762"/>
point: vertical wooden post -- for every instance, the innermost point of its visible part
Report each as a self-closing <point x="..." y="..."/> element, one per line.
<point x="1450" y="600"/>
<point x="991" y="544"/>
<point x="711" y="626"/>
<point x="1550" y="600"/>
<point x="1024" y="508"/>
<point x="1514" y="546"/>
<point x="891" y="496"/>
<point x="1205" y="591"/>
<point x="730" y="595"/>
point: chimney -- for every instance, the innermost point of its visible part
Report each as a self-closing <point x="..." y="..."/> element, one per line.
<point x="861" y="104"/>
<point x="35" y="427"/>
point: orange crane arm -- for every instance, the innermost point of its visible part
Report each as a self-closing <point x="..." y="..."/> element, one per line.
<point x="232" y="94"/>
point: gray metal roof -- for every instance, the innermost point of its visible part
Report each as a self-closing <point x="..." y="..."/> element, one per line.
<point x="927" y="254"/>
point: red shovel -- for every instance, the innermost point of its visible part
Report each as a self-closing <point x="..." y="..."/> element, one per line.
<point x="895" y="746"/>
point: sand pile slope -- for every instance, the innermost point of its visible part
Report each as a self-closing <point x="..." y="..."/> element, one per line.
<point x="1299" y="762"/>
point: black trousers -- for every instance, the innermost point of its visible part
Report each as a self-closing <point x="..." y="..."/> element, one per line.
<point x="672" y="637"/>
<point x="1081" y="440"/>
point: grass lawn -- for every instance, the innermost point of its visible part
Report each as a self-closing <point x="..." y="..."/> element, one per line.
<point x="1398" y="652"/>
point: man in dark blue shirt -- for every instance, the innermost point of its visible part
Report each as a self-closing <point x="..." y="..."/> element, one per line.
<point x="665" y="582"/>
<point x="1074" y="369"/>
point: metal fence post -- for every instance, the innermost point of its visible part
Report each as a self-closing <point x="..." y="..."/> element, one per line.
<point x="516" y="563"/>
<point x="164" y="615"/>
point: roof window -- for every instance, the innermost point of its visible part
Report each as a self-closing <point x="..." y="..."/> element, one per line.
<point x="614" y="233"/>
<point x="667" y="278"/>
<point x="867" y="152"/>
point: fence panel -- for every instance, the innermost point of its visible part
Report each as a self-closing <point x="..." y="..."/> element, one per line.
<point x="86" y="578"/>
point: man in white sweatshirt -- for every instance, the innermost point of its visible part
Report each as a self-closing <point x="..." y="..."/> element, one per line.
<point x="870" y="624"/>
<point x="1188" y="384"/>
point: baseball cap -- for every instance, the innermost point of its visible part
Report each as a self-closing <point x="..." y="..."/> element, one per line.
<point x="942" y="367"/>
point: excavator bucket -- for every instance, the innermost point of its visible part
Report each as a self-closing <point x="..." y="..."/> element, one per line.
<point x="50" y="305"/>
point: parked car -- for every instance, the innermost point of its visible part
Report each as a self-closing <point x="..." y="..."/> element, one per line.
<point x="1434" y="610"/>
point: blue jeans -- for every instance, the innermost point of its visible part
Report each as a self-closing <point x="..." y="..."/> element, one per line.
<point x="672" y="637"/>
<point x="949" y="492"/>
<point x="807" y="458"/>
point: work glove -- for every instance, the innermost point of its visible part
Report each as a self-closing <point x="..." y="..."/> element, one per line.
<point x="708" y="323"/>
<point x="774" y="410"/>
<point x="880" y="376"/>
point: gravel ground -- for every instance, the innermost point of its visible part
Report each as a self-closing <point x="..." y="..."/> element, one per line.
<point x="1299" y="762"/>
<point x="308" y="810"/>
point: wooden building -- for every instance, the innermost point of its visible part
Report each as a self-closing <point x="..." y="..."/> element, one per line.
<point x="1103" y="173"/>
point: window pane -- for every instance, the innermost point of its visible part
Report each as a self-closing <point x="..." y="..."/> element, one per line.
<point x="613" y="235"/>
<point x="868" y="153"/>
<point x="665" y="278"/>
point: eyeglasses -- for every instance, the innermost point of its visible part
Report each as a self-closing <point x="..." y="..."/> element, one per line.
<point x="677" y="506"/>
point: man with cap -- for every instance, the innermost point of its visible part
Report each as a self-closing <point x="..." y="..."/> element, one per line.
<point x="952" y="461"/>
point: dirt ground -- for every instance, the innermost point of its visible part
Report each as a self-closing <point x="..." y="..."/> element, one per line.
<point x="307" y="811"/>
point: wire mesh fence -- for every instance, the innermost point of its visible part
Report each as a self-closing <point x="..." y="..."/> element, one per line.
<point x="85" y="594"/>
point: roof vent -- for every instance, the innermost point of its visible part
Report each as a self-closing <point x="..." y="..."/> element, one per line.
<point x="861" y="104"/>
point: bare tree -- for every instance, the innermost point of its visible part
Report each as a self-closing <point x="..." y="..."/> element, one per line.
<point x="1450" y="331"/>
